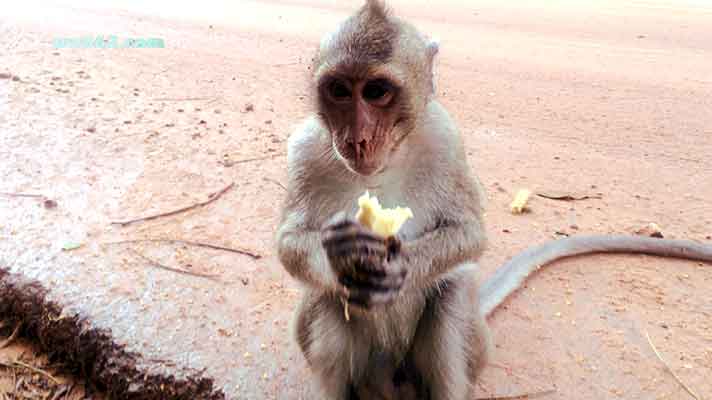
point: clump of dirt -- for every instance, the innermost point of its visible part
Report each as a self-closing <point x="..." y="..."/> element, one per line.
<point x="26" y="373"/>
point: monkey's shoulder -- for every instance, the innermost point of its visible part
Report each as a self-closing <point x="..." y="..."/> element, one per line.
<point x="306" y="138"/>
<point x="440" y="134"/>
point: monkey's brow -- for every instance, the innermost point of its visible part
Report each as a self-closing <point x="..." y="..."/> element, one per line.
<point x="355" y="71"/>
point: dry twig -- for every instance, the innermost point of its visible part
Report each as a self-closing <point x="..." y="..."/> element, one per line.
<point x="18" y="363"/>
<point x="568" y="197"/>
<point x="523" y="396"/>
<point x="63" y="391"/>
<point x="192" y="243"/>
<point x="246" y="160"/>
<point x="667" y="367"/>
<point x="182" y="98"/>
<point x="174" y="269"/>
<point x="32" y="195"/>
<point x="211" y="198"/>
<point x="12" y="336"/>
<point x="276" y="182"/>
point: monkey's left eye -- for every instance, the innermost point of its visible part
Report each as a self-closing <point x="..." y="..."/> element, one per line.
<point x="339" y="91"/>
<point x="378" y="91"/>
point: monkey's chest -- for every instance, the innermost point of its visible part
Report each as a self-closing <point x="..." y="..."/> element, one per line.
<point x="393" y="327"/>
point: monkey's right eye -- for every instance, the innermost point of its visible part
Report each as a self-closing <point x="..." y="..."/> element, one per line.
<point x="339" y="92"/>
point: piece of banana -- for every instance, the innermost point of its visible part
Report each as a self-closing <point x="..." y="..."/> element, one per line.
<point x="383" y="221"/>
<point x="519" y="204"/>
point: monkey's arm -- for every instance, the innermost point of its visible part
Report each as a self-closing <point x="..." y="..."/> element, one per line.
<point x="298" y="237"/>
<point x="449" y="243"/>
<point x="300" y="251"/>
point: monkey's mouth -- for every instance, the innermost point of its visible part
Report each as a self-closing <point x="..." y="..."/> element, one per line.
<point x="365" y="166"/>
<point x="368" y="170"/>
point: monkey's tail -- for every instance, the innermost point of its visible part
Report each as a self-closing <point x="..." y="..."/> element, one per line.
<point x="510" y="276"/>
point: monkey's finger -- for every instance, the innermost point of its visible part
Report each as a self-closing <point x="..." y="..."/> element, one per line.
<point x="370" y="267"/>
<point x="354" y="239"/>
<point x="393" y="246"/>
<point x="337" y="219"/>
<point x="373" y="282"/>
<point x="359" y="250"/>
<point x="340" y="224"/>
<point x="350" y="232"/>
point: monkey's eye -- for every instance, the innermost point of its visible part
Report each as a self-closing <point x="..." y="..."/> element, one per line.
<point x="378" y="92"/>
<point x="339" y="91"/>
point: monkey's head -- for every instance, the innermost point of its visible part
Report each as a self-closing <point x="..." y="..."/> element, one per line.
<point x="373" y="79"/>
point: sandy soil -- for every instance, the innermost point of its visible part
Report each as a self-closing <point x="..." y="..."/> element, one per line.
<point x="608" y="98"/>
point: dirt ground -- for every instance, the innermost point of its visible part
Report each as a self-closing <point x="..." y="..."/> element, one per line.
<point x="608" y="98"/>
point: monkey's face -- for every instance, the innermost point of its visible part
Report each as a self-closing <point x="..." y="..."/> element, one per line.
<point x="361" y="115"/>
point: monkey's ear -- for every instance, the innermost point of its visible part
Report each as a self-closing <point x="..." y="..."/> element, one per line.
<point x="432" y="50"/>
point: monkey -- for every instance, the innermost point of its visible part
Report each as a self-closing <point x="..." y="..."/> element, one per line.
<point x="402" y="317"/>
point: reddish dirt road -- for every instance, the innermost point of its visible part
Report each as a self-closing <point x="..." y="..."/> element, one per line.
<point x="611" y="98"/>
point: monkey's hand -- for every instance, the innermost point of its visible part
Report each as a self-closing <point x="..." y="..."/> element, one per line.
<point x="366" y="265"/>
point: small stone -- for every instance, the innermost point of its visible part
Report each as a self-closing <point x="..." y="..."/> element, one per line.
<point x="574" y="227"/>
<point x="49" y="204"/>
<point x="5" y="75"/>
<point x="268" y="122"/>
<point x="249" y="107"/>
<point x="651" y="230"/>
<point x="91" y="129"/>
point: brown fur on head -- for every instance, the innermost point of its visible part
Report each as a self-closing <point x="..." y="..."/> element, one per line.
<point x="373" y="78"/>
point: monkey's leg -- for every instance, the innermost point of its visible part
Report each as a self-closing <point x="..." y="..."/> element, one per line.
<point x="452" y="339"/>
<point x="328" y="343"/>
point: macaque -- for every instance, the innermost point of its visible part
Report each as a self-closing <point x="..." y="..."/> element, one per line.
<point x="397" y="317"/>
